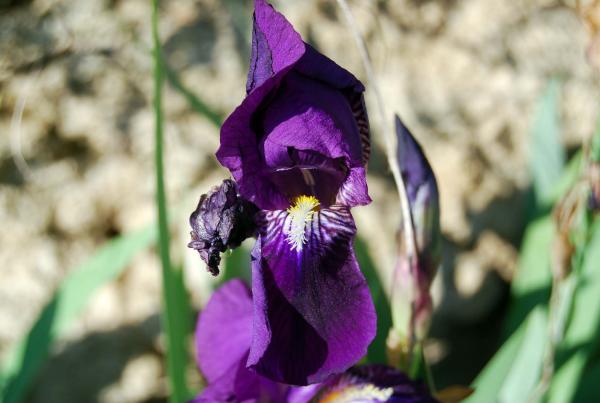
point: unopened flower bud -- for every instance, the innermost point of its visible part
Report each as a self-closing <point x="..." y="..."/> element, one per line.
<point x="423" y="198"/>
<point x="411" y="301"/>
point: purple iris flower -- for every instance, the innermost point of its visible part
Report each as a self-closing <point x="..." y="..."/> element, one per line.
<point x="297" y="147"/>
<point x="223" y="338"/>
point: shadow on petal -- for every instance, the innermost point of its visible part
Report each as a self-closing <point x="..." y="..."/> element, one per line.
<point x="294" y="349"/>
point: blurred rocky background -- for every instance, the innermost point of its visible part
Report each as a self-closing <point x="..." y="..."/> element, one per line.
<point x="76" y="155"/>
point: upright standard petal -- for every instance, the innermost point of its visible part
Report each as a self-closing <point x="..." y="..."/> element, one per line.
<point x="275" y="45"/>
<point x="319" y="67"/>
<point x="314" y="315"/>
<point x="280" y="59"/>
<point x="271" y="59"/>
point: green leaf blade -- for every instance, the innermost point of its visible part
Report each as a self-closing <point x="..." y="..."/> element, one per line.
<point x="582" y="337"/>
<point x="547" y="153"/>
<point x="23" y="361"/>
<point x="174" y="297"/>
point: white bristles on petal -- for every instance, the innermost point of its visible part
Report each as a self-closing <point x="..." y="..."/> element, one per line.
<point x="301" y="213"/>
<point x="358" y="393"/>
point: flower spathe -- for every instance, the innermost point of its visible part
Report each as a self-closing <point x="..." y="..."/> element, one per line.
<point x="297" y="148"/>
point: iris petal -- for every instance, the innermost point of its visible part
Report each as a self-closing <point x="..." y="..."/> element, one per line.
<point x="279" y="56"/>
<point x="319" y="111"/>
<point x="314" y="64"/>
<point x="224" y="331"/>
<point x="223" y="338"/>
<point x="238" y="385"/>
<point x="353" y="191"/>
<point x="271" y="59"/>
<point x="313" y="312"/>
<point x="275" y="45"/>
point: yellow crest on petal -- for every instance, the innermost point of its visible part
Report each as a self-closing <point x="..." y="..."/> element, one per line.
<point x="354" y="393"/>
<point x="301" y="212"/>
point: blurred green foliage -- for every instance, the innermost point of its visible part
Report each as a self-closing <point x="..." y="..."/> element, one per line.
<point x="377" y="349"/>
<point x="547" y="156"/>
<point x="553" y="325"/>
<point x="23" y="362"/>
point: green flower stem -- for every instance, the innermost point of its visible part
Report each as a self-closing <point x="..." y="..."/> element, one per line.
<point x="419" y="368"/>
<point x="173" y="319"/>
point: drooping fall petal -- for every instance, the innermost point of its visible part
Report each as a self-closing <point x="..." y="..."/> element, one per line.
<point x="314" y="315"/>
<point x="223" y="337"/>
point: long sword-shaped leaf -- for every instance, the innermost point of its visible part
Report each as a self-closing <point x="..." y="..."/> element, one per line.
<point x="377" y="350"/>
<point x="547" y="154"/>
<point x="192" y="99"/>
<point x="582" y="337"/>
<point x="489" y="382"/>
<point x="527" y="366"/>
<point x="174" y="317"/>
